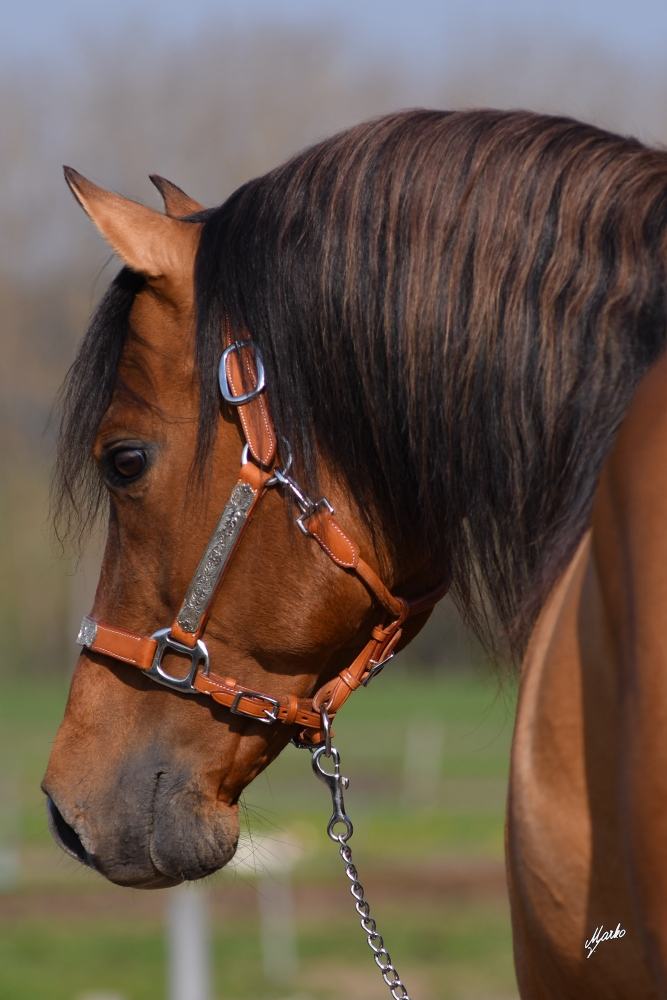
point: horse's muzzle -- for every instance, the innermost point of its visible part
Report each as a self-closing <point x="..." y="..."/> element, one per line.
<point x="152" y="838"/>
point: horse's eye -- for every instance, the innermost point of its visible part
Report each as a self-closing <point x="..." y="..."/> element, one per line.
<point x="129" y="462"/>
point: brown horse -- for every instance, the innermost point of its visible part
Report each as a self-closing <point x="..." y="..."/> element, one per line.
<point x="454" y="312"/>
<point x="586" y="817"/>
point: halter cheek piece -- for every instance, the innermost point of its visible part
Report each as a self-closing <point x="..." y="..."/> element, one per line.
<point x="242" y="385"/>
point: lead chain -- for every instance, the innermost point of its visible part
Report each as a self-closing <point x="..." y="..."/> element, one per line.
<point x="336" y="783"/>
<point x="373" y="937"/>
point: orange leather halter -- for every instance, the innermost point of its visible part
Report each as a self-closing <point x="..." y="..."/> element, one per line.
<point x="242" y="384"/>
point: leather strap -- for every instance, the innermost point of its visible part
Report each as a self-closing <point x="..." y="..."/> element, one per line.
<point x="338" y="545"/>
<point x="123" y="645"/>
<point x="255" y="705"/>
<point x="201" y="595"/>
<point x="255" y="415"/>
<point x="303" y="712"/>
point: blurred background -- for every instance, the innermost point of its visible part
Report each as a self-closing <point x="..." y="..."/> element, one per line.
<point x="209" y="94"/>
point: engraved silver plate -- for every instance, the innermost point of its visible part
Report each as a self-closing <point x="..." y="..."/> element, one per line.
<point x="215" y="558"/>
<point x="87" y="632"/>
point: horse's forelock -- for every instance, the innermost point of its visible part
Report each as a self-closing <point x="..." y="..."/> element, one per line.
<point x="77" y="490"/>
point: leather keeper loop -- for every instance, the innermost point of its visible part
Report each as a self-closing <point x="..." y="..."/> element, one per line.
<point x="292" y="709"/>
<point x="349" y="679"/>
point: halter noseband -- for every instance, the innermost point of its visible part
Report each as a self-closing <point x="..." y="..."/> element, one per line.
<point x="240" y="367"/>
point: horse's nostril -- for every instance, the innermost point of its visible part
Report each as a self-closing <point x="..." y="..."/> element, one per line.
<point x="64" y="835"/>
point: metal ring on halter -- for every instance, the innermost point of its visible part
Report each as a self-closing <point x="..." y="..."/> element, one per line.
<point x="303" y="501"/>
<point x="225" y="388"/>
<point x="326" y="726"/>
<point x="322" y="502"/>
<point x="279" y="473"/>
<point x="198" y="656"/>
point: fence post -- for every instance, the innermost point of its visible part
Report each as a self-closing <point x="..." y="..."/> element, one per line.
<point x="271" y="862"/>
<point x="189" y="959"/>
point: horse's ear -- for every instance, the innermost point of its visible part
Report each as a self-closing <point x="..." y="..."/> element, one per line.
<point x="147" y="241"/>
<point x="176" y="202"/>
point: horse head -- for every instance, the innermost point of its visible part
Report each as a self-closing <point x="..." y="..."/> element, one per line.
<point x="143" y="783"/>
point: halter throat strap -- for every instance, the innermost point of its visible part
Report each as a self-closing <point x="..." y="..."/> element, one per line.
<point x="242" y="384"/>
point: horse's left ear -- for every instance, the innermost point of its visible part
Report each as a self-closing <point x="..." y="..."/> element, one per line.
<point x="153" y="244"/>
<point x="176" y="202"/>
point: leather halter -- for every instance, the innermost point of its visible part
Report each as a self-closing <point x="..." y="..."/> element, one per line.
<point x="242" y="384"/>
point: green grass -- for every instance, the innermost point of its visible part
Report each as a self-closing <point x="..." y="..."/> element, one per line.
<point x="462" y="950"/>
<point x="61" y="960"/>
<point x="65" y="933"/>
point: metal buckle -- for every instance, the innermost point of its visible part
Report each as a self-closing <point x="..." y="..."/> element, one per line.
<point x="376" y="668"/>
<point x="198" y="655"/>
<point x="225" y="387"/>
<point x="270" y="716"/>
<point x="322" y="502"/>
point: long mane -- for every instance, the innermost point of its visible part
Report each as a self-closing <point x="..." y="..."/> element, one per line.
<point x="454" y="310"/>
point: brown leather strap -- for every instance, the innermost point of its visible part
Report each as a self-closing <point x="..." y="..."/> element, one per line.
<point x="394" y="605"/>
<point x="124" y="645"/>
<point x="302" y="712"/>
<point x="338" y="545"/>
<point x="332" y="538"/>
<point x="256" y="705"/>
<point x="383" y="641"/>
<point x="255" y="416"/>
<point x="193" y="616"/>
<point x="427" y="601"/>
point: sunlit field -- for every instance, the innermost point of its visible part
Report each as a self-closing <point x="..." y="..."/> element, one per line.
<point x="427" y="758"/>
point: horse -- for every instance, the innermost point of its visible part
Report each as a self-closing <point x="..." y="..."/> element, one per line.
<point x="448" y="326"/>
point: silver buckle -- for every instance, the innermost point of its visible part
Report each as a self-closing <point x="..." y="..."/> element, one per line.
<point x="376" y="668"/>
<point x="225" y="387"/>
<point x="323" y="502"/>
<point x="198" y="655"/>
<point x="271" y="716"/>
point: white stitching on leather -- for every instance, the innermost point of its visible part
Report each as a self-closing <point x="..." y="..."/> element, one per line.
<point x="332" y="555"/>
<point x="262" y="408"/>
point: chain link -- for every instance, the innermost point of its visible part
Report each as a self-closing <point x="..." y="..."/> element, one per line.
<point x="373" y="937"/>
<point x="336" y="784"/>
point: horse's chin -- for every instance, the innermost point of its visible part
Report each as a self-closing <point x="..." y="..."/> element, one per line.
<point x="181" y="839"/>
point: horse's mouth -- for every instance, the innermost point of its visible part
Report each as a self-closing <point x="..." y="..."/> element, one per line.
<point x="65" y="836"/>
<point x="184" y="844"/>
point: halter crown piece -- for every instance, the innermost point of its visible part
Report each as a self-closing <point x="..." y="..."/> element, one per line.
<point x="242" y="385"/>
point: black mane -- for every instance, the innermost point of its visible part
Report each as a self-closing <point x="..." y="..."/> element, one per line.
<point x="454" y="310"/>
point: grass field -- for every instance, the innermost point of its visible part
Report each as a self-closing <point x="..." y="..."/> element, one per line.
<point x="427" y="758"/>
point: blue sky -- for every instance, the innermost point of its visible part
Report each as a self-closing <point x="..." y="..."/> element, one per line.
<point x="417" y="30"/>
